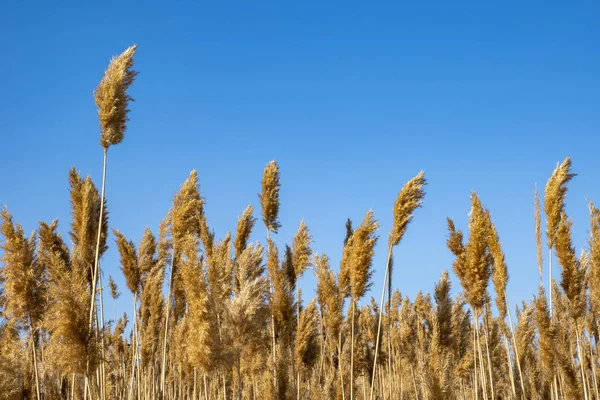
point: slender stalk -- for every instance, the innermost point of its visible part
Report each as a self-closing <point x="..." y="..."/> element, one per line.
<point x="37" y="381"/>
<point x="510" y="368"/>
<point x="385" y="278"/>
<point x="195" y="373"/>
<point x="475" y="354"/>
<point x="487" y="348"/>
<point x="352" y="355"/>
<point x="482" y="369"/>
<point x="102" y="343"/>
<point x="341" y="370"/>
<point x="134" y="347"/>
<point x="412" y="372"/>
<point x="515" y="347"/>
<point x="168" y="309"/>
<point x="584" y="381"/>
<point x="97" y="252"/>
<point x="297" y="325"/>
<point x="593" y="362"/>
<point x="550" y="288"/>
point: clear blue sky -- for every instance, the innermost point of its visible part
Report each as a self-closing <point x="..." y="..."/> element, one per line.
<point x="351" y="99"/>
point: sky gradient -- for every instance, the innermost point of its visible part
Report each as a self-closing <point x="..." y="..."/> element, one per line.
<point x="351" y="99"/>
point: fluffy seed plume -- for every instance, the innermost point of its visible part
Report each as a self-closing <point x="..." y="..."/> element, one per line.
<point x="554" y="200"/>
<point x="243" y="231"/>
<point x="307" y="348"/>
<point x="112" y="99"/>
<point x="472" y="263"/>
<point x="129" y="264"/>
<point x="409" y="199"/>
<point x="572" y="275"/>
<point x="269" y="197"/>
<point x="362" y="245"/>
<point x="22" y="275"/>
<point x="499" y="270"/>
<point x="114" y="289"/>
<point x="188" y="209"/>
<point x="146" y="254"/>
<point x="301" y="250"/>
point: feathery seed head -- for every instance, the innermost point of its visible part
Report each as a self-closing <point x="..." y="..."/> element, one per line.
<point x="187" y="210"/>
<point x="360" y="260"/>
<point x="409" y="199"/>
<point x="572" y="275"/>
<point x="129" y="262"/>
<point x="146" y="254"/>
<point x="243" y="231"/>
<point x="554" y="200"/>
<point x="499" y="270"/>
<point x="114" y="289"/>
<point x="301" y="250"/>
<point x="269" y="197"/>
<point x="112" y="99"/>
<point x="594" y="243"/>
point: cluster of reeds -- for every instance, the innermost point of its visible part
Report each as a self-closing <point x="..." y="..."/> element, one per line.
<point x="220" y="317"/>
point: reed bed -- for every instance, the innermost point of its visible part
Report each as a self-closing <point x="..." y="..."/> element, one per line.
<point x="223" y="318"/>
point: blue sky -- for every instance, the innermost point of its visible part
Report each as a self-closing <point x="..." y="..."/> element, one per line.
<point x="351" y="99"/>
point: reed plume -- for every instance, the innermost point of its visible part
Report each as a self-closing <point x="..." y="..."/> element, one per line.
<point x="24" y="281"/>
<point x="499" y="270"/>
<point x="594" y="245"/>
<point x="307" y="348"/>
<point x="409" y="199"/>
<point x="360" y="251"/>
<point x="185" y="218"/>
<point x="301" y="250"/>
<point x="269" y="197"/>
<point x="554" y="205"/>
<point x="201" y="334"/>
<point x="11" y="378"/>
<point x="129" y="262"/>
<point x="248" y="308"/>
<point x="112" y="98"/>
<point x="244" y="229"/>
<point x="554" y="200"/>
<point x="151" y="299"/>
<point x="572" y="275"/>
<point x="114" y="289"/>
<point x="237" y="325"/>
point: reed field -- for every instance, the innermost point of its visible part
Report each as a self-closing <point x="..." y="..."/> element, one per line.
<point x="220" y="317"/>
